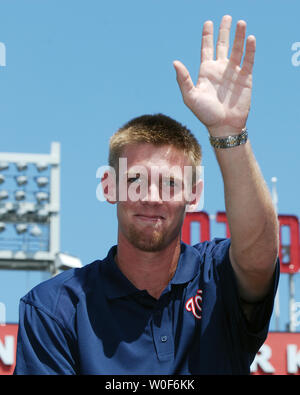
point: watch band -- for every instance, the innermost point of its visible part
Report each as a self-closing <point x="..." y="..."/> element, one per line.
<point x="229" y="141"/>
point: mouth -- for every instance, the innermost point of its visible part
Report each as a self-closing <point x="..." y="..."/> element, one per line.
<point x="149" y="218"/>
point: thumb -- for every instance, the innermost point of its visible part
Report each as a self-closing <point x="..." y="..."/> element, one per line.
<point x="183" y="78"/>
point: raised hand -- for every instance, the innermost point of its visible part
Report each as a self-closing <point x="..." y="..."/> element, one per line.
<point x="221" y="98"/>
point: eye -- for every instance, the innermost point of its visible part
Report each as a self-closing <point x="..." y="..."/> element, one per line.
<point x="131" y="180"/>
<point x="169" y="182"/>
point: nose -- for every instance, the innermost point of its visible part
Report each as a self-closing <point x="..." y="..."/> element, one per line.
<point x="153" y="193"/>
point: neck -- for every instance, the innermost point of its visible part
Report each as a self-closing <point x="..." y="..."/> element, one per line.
<point x="150" y="271"/>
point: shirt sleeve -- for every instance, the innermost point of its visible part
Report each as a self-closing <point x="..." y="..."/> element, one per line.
<point x="43" y="345"/>
<point x="253" y="331"/>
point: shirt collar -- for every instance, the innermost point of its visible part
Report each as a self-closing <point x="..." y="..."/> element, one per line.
<point x="188" y="265"/>
<point x="117" y="285"/>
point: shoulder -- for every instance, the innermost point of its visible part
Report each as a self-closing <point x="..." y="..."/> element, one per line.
<point x="205" y="259"/>
<point x="214" y="257"/>
<point x="59" y="296"/>
<point x="217" y="249"/>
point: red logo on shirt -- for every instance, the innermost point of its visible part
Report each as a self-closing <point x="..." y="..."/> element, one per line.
<point x="194" y="304"/>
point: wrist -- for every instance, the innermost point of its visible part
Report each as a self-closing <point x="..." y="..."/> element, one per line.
<point x="224" y="131"/>
<point x="230" y="141"/>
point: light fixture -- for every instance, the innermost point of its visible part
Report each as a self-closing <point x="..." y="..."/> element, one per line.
<point x="42" y="181"/>
<point x="9" y="206"/>
<point x="21" y="180"/>
<point x="41" y="166"/>
<point x="4" y="165"/>
<point x="42" y="214"/>
<point x="21" y="166"/>
<point x="21" y="228"/>
<point x="21" y="211"/>
<point x="20" y="195"/>
<point x="3" y="211"/>
<point x="41" y="196"/>
<point x="30" y="207"/>
<point x="3" y="194"/>
<point x="35" y="231"/>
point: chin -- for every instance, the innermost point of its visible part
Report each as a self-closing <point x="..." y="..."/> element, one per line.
<point x="153" y="243"/>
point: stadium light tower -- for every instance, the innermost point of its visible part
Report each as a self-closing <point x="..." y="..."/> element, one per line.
<point x="30" y="212"/>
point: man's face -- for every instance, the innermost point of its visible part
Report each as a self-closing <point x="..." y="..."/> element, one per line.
<point x="152" y="214"/>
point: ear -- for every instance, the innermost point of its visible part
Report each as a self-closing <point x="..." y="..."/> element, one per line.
<point x="109" y="186"/>
<point x="195" y="197"/>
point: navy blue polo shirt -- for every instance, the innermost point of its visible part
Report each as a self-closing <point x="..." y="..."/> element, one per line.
<point x="94" y="321"/>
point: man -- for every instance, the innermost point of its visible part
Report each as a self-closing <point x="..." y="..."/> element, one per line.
<point x="155" y="305"/>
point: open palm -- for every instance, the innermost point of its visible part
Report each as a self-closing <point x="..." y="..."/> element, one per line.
<point x="221" y="98"/>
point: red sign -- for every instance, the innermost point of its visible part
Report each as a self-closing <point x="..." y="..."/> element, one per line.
<point x="279" y="355"/>
<point x="8" y="347"/>
<point x="289" y="221"/>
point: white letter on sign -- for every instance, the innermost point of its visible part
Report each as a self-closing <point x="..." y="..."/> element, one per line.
<point x="262" y="359"/>
<point x="7" y="350"/>
<point x="293" y="358"/>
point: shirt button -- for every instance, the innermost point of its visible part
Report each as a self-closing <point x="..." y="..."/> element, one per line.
<point x="164" y="338"/>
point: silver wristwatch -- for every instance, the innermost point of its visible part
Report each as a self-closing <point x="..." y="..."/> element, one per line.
<point x="229" y="141"/>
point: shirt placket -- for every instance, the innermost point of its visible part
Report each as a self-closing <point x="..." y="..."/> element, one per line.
<point x="162" y="329"/>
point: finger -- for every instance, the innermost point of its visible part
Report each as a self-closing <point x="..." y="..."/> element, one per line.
<point x="238" y="44"/>
<point x="249" y="55"/>
<point x="183" y="78"/>
<point x="207" y="45"/>
<point x="223" y="38"/>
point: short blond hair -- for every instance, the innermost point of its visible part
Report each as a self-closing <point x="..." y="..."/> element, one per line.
<point x="156" y="129"/>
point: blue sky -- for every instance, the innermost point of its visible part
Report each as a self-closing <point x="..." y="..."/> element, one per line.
<point x="78" y="70"/>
